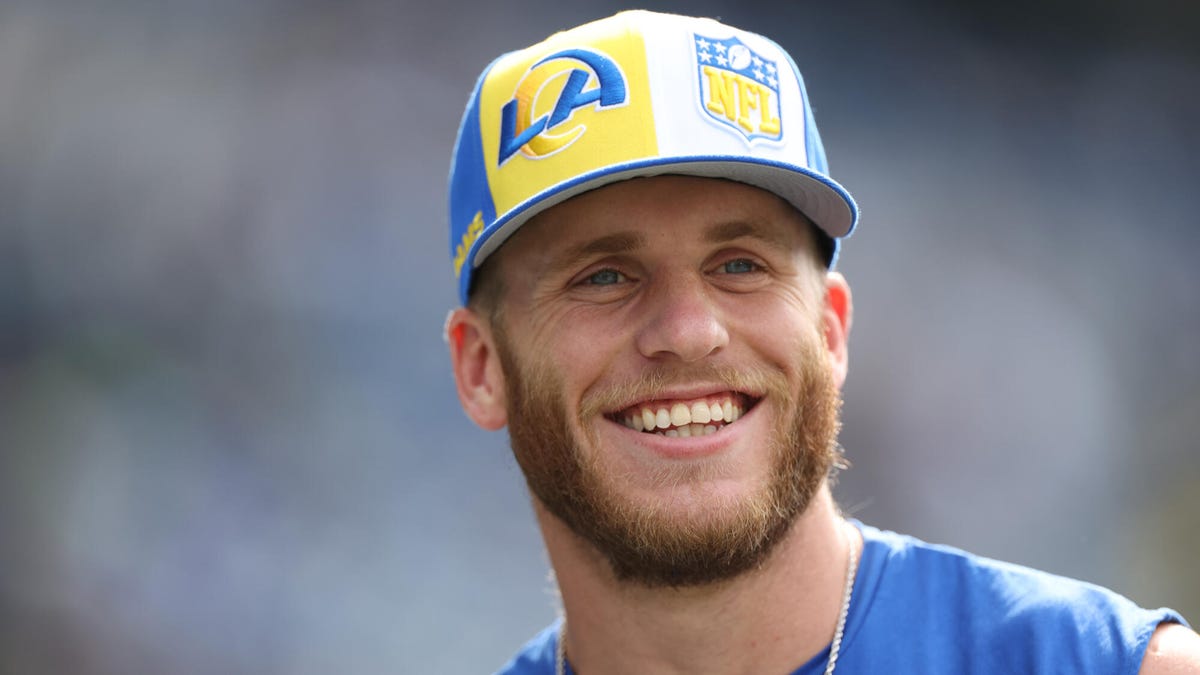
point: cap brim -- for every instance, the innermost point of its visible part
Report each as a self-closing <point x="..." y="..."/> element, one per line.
<point x="828" y="205"/>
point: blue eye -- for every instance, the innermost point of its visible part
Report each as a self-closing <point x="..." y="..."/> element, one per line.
<point x="739" y="266"/>
<point x="605" y="277"/>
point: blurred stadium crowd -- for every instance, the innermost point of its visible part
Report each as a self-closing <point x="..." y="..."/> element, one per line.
<point x="229" y="440"/>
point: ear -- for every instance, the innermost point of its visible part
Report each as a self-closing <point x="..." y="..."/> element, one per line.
<point x="836" y="317"/>
<point x="477" y="371"/>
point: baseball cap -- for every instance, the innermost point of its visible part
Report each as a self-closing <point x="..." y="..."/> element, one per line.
<point x="635" y="94"/>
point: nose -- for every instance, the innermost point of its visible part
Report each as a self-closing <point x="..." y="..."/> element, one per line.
<point x="682" y="321"/>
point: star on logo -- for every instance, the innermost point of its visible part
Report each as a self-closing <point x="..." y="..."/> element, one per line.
<point x="771" y="81"/>
<point x="705" y="57"/>
<point x="771" y="68"/>
<point x="758" y="74"/>
<point x="719" y="47"/>
<point x="722" y="61"/>
<point x="757" y="62"/>
<point x="702" y="44"/>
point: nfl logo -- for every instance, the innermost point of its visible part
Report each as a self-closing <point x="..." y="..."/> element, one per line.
<point x="738" y="88"/>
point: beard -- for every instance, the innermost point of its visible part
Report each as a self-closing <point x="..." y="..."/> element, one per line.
<point x="647" y="543"/>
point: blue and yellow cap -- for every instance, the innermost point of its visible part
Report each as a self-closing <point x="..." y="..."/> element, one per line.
<point x="636" y="94"/>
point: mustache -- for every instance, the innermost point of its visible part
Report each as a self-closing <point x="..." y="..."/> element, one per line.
<point x="651" y="383"/>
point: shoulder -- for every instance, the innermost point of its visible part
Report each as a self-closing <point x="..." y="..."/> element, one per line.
<point x="935" y="570"/>
<point x="1174" y="649"/>
<point x="536" y="656"/>
<point x="1016" y="591"/>
<point x="1023" y="619"/>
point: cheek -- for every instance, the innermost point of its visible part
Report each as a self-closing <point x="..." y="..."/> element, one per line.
<point x="778" y="325"/>
<point x="582" y="344"/>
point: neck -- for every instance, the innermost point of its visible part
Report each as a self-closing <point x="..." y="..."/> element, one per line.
<point x="771" y="619"/>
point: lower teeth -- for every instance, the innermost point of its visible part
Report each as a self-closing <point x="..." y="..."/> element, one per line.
<point x="678" y="433"/>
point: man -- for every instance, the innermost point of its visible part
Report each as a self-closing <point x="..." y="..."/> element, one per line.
<point x="644" y="230"/>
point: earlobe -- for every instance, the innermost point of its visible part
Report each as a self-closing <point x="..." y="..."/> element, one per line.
<point x="836" y="317"/>
<point x="478" y="375"/>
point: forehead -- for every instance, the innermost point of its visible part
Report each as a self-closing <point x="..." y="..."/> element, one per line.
<point x="638" y="212"/>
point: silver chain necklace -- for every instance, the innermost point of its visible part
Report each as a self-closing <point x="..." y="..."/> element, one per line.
<point x="560" y="662"/>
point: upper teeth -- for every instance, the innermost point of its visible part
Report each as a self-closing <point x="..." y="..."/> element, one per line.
<point x="699" y="417"/>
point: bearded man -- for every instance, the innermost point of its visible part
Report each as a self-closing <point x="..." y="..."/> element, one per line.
<point x="644" y="231"/>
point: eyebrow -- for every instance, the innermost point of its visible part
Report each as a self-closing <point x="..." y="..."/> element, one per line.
<point x="723" y="232"/>
<point x="612" y="244"/>
<point x="625" y="242"/>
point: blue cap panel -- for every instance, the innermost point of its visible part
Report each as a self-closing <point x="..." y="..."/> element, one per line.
<point x="471" y="205"/>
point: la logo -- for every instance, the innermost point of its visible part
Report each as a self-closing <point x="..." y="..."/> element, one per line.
<point x="534" y="122"/>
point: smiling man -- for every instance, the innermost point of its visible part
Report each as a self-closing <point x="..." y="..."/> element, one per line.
<point x="644" y="232"/>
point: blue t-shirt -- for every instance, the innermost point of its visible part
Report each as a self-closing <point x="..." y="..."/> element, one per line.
<point x="922" y="608"/>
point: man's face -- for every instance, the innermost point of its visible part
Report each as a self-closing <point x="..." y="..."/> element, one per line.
<point x="669" y="395"/>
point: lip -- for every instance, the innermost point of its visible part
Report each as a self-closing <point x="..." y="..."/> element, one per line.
<point x="672" y="396"/>
<point x="693" y="447"/>
<point x="686" y="393"/>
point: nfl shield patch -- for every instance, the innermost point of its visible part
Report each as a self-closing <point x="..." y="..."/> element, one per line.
<point x="738" y="87"/>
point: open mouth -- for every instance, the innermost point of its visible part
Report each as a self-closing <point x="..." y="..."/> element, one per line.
<point x="684" y="418"/>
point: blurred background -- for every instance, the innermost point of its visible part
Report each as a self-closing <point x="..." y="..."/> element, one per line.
<point x="229" y="441"/>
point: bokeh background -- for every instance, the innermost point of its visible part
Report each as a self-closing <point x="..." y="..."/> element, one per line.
<point x="229" y="441"/>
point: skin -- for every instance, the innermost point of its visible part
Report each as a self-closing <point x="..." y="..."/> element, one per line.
<point x="673" y="304"/>
<point x="1174" y="650"/>
<point x="676" y="297"/>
